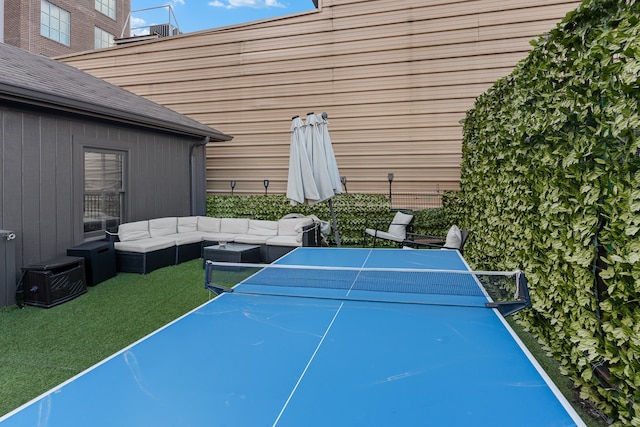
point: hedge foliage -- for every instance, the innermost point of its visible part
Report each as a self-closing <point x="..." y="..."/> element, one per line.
<point x="551" y="184"/>
<point x="354" y="213"/>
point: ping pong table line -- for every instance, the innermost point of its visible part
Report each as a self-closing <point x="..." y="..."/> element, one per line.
<point x="306" y="368"/>
<point x="546" y="378"/>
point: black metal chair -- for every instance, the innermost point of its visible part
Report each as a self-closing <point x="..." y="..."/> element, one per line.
<point x="396" y="232"/>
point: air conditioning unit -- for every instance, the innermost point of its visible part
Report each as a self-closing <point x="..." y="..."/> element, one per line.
<point x="164" y="30"/>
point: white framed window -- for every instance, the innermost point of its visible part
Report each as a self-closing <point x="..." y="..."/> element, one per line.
<point x="103" y="38"/>
<point x="55" y="23"/>
<point x="107" y="7"/>
<point x="104" y="191"/>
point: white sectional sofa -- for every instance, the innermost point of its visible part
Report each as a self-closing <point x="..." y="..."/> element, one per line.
<point x="144" y="246"/>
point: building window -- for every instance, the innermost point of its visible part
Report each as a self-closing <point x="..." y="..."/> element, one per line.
<point x="55" y="23"/>
<point x="104" y="186"/>
<point x="103" y="38"/>
<point x="107" y="7"/>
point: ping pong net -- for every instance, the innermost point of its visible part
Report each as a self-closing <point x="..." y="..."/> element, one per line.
<point x="506" y="291"/>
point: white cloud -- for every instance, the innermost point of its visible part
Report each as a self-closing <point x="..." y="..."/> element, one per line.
<point x="258" y="4"/>
<point x="177" y="1"/>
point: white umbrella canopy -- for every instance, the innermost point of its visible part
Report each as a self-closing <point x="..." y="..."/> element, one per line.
<point x="332" y="165"/>
<point x="318" y="159"/>
<point x="311" y="153"/>
<point x="301" y="186"/>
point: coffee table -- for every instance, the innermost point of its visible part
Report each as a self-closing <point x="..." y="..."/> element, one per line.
<point x="232" y="252"/>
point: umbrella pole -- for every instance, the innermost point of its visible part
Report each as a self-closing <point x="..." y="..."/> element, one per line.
<point x="335" y="223"/>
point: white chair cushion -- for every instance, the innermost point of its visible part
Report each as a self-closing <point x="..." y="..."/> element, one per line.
<point x="454" y="238"/>
<point x="234" y="225"/>
<point x="398" y="226"/>
<point x="208" y="224"/>
<point x="133" y="231"/>
<point x="159" y="227"/>
<point x="384" y="235"/>
<point x="187" y="224"/>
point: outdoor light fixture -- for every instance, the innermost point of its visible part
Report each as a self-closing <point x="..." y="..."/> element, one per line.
<point x="343" y="180"/>
<point x="266" y="185"/>
<point x="390" y="178"/>
<point x="233" y="185"/>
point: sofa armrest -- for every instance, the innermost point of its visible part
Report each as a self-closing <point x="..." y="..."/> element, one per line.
<point x="111" y="237"/>
<point x="311" y="234"/>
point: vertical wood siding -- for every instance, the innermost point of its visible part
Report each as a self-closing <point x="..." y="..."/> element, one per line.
<point x="395" y="77"/>
<point x="41" y="179"/>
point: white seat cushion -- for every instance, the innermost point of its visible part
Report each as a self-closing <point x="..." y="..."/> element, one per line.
<point x="384" y="235"/>
<point x="218" y="237"/>
<point x="284" y="241"/>
<point x="186" y="238"/>
<point x="145" y="245"/>
<point x="251" y="239"/>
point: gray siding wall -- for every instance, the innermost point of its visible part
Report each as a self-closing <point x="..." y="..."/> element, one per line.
<point x="41" y="178"/>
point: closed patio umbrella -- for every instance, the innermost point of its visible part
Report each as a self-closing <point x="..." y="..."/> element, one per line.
<point x="301" y="186"/>
<point x="319" y="161"/>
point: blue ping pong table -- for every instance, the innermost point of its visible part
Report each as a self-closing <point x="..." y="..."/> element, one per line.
<point x="248" y="359"/>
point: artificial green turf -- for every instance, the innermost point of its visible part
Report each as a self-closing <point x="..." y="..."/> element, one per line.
<point x="40" y="348"/>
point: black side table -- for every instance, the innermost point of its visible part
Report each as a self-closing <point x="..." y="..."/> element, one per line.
<point x="99" y="260"/>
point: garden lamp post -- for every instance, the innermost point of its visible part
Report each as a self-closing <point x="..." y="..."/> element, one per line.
<point x="390" y="178"/>
<point x="266" y="185"/>
<point x="233" y="185"/>
<point x="343" y="180"/>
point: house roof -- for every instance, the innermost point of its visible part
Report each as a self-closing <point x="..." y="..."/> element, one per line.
<point x="41" y="81"/>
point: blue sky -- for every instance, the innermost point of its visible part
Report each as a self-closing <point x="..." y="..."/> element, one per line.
<point x="196" y="15"/>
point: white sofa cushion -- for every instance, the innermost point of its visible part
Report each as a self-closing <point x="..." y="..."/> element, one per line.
<point x="187" y="224"/>
<point x="159" y="227"/>
<point x="293" y="226"/>
<point x="186" y="238"/>
<point x="234" y="225"/>
<point x="218" y="237"/>
<point x="284" y="241"/>
<point x="259" y="227"/>
<point x="208" y="225"/>
<point x="133" y="231"/>
<point x="144" y="245"/>
<point x="251" y="239"/>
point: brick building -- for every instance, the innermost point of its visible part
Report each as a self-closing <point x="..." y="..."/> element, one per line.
<point x="58" y="27"/>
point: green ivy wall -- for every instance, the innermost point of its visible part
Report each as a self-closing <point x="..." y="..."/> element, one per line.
<point x="550" y="184"/>
<point x="354" y="213"/>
